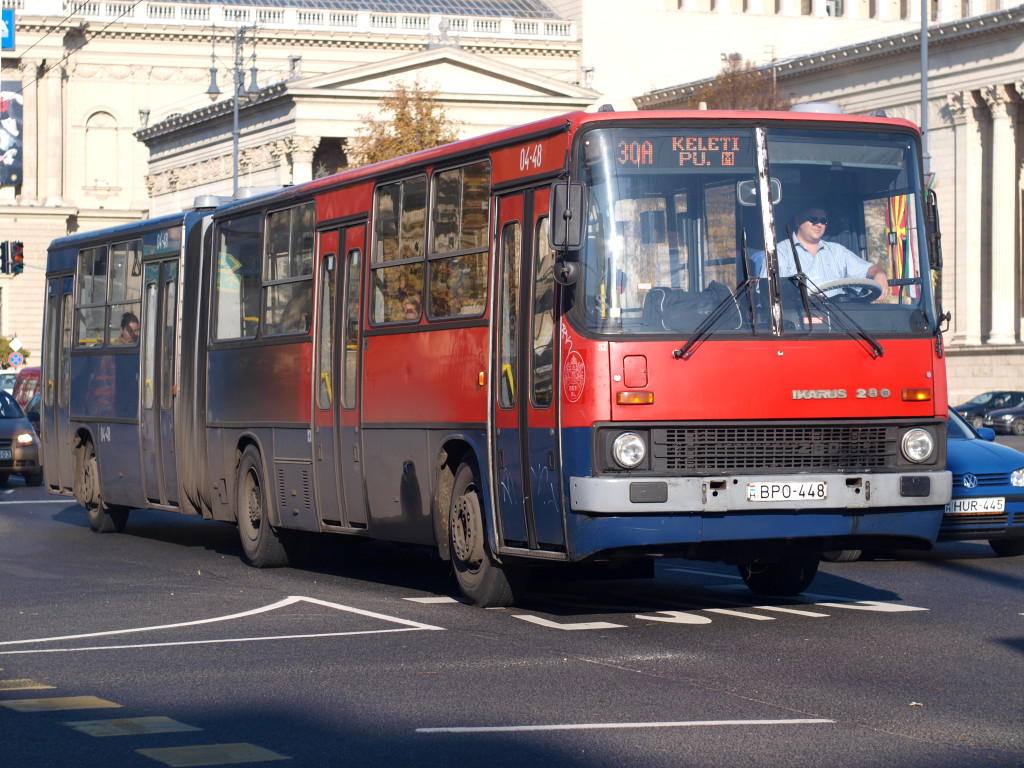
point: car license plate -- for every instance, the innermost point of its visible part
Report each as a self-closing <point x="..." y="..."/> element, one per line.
<point x="786" y="491"/>
<point x="5" y="453"/>
<point x="976" y="506"/>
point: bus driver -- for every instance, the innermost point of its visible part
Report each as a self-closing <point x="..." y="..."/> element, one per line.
<point x="822" y="260"/>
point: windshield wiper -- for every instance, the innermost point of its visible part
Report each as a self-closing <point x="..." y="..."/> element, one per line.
<point x="834" y="311"/>
<point x="703" y="330"/>
<point x="801" y="278"/>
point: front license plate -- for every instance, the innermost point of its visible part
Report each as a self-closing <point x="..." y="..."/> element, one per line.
<point x="786" y="491"/>
<point x="976" y="506"/>
<point x="5" y="453"/>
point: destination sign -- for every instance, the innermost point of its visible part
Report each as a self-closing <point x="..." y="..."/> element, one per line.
<point x="686" y="151"/>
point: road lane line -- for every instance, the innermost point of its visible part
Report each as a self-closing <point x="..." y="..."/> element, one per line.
<point x="130" y="726"/>
<point x="171" y="644"/>
<point x="600" y="726"/>
<point x="59" y="703"/>
<point x="244" y="614"/>
<point x="211" y="754"/>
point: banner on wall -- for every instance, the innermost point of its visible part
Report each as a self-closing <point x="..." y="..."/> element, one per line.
<point x="11" y="104"/>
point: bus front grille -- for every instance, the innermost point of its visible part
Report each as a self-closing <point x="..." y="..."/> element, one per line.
<point x="765" y="448"/>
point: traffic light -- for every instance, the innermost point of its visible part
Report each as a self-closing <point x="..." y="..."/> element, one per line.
<point x="17" y="254"/>
<point x="5" y="264"/>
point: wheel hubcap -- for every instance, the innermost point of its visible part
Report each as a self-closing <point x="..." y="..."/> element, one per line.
<point x="467" y="538"/>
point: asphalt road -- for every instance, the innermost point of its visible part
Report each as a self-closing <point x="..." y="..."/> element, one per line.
<point x="158" y="646"/>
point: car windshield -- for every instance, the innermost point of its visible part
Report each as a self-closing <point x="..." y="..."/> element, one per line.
<point x="958" y="428"/>
<point x="984" y="398"/>
<point x="9" y="408"/>
<point x="675" y="225"/>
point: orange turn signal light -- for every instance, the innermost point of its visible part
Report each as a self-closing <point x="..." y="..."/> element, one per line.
<point x="917" y="395"/>
<point x="634" y="398"/>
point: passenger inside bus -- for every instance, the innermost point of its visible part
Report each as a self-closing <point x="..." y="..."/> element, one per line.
<point x="129" y="330"/>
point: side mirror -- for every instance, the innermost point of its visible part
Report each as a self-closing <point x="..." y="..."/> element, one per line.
<point x="568" y="212"/>
<point x="935" y="236"/>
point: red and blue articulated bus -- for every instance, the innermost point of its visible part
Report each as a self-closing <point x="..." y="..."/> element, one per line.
<point x="582" y="340"/>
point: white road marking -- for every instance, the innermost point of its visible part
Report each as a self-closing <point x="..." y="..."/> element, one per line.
<point x="740" y="614"/>
<point x="796" y="611"/>
<point x="599" y="726"/>
<point x="437" y="600"/>
<point x="41" y="501"/>
<point x="408" y="625"/>
<point x="211" y="642"/>
<point x="570" y="626"/>
<point x="674" y="617"/>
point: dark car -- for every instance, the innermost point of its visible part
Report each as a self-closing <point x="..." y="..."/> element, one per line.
<point x="975" y="409"/>
<point x="19" y="444"/>
<point x="988" y="492"/>
<point x="1005" y="421"/>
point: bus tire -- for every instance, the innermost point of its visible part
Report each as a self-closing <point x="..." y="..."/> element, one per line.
<point x="790" y="575"/>
<point x="261" y="544"/>
<point x="482" y="580"/>
<point x="103" y="517"/>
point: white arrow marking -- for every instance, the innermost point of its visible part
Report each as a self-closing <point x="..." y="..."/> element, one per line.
<point x="244" y="614"/>
<point x="578" y="625"/>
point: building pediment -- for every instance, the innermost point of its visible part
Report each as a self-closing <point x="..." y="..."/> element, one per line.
<point x="456" y="74"/>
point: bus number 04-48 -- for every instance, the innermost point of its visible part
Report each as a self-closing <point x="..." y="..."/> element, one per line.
<point x="530" y="157"/>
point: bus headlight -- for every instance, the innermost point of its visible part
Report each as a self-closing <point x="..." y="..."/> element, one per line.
<point x="918" y="445"/>
<point x="629" y="449"/>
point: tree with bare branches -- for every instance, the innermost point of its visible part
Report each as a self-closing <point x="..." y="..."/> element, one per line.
<point x="740" y="85"/>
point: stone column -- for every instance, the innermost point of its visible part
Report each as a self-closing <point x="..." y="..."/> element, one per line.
<point x="51" y="155"/>
<point x="1002" y="103"/>
<point x="301" y="149"/>
<point x="29" y="69"/>
<point x="962" y="221"/>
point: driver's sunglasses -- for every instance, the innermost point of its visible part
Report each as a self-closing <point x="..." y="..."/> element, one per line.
<point x="817" y="220"/>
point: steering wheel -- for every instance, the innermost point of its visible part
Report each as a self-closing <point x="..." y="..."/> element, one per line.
<point x="863" y="290"/>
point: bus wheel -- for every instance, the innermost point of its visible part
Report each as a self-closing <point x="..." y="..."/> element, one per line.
<point x="482" y="581"/>
<point x="103" y="517"/>
<point x="261" y="544"/>
<point x="789" y="576"/>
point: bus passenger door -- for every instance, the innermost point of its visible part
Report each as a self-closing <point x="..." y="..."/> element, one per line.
<point x="339" y="484"/>
<point x="156" y="417"/>
<point x="58" y="454"/>
<point x="527" y="477"/>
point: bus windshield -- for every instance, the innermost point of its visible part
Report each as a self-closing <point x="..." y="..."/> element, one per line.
<point x="677" y="230"/>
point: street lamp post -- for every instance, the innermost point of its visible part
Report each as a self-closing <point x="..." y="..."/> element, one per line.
<point x="239" y="90"/>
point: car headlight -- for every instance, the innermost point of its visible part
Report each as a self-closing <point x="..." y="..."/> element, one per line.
<point x="25" y="438"/>
<point x="629" y="449"/>
<point x="1007" y="417"/>
<point x="918" y="445"/>
<point x="1017" y="478"/>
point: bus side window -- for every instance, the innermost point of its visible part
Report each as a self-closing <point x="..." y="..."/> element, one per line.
<point x="288" y="271"/>
<point x="400" y="212"/>
<point x="459" y="227"/>
<point x="90" y="309"/>
<point x="237" y="278"/>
